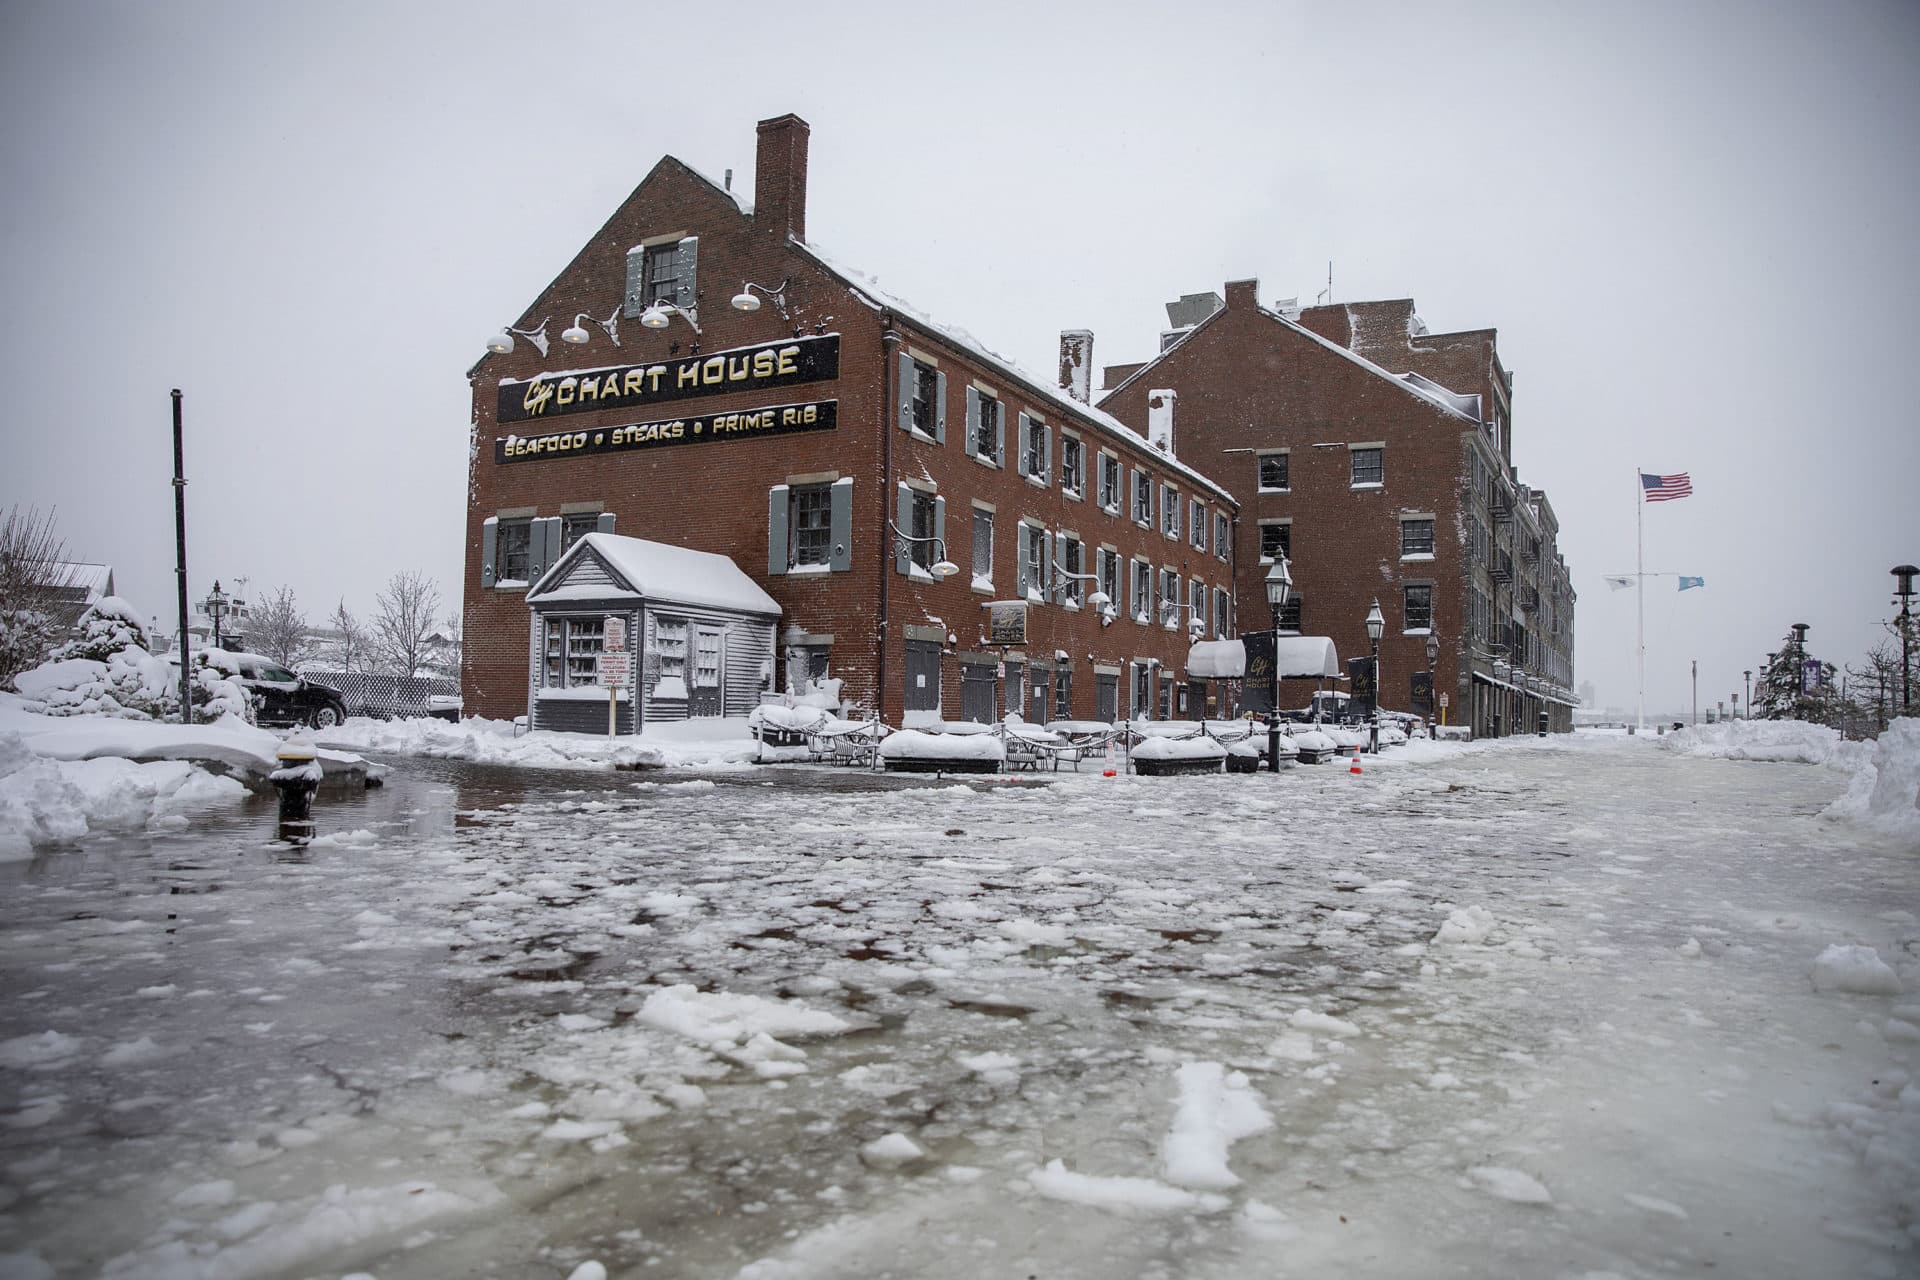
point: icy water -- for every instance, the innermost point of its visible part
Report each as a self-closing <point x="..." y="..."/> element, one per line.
<point x="1543" y="1010"/>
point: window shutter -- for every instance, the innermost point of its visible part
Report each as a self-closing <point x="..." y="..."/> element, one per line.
<point x="636" y="281"/>
<point x="777" y="533"/>
<point x="940" y="549"/>
<point x="906" y="392"/>
<point x="1046" y="454"/>
<point x="553" y="540"/>
<point x="1062" y="584"/>
<point x="973" y="422"/>
<point x="489" y="549"/>
<point x="903" y="522"/>
<point x="604" y="524"/>
<point x="1134" y="498"/>
<point x="939" y="407"/>
<point x="536" y="550"/>
<point x="1000" y="437"/>
<point x="684" y="294"/>
<point x="1049" y="580"/>
<point x="1020" y="443"/>
<point x="1020" y="560"/>
<point x="840" y="525"/>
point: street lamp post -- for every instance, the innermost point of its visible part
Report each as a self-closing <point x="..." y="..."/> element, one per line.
<point x="1433" y="679"/>
<point x="1376" y="623"/>
<point x="1749" y="701"/>
<point x="1799" y="630"/>
<point x="1279" y="587"/>
<point x="1905" y="573"/>
<point x="216" y="606"/>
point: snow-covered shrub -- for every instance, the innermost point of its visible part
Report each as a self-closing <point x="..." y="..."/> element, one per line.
<point x="107" y="671"/>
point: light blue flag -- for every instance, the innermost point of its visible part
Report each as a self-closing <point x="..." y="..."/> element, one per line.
<point x="1686" y="582"/>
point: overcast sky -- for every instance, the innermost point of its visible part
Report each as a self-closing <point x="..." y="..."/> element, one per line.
<point x="1693" y="226"/>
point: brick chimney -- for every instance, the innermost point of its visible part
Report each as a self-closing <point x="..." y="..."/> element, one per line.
<point x="1160" y="420"/>
<point x="1076" y="363"/>
<point x="780" y="177"/>
<point x="1242" y="293"/>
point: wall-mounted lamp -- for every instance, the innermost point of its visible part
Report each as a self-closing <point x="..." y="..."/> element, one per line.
<point x="576" y="333"/>
<point x="661" y="314"/>
<point x="502" y="342"/>
<point x="1098" y="599"/>
<point x="942" y="567"/>
<point x="1169" y="611"/>
<point x="746" y="301"/>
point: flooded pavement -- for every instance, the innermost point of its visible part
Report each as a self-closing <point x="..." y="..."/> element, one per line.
<point x="500" y="1021"/>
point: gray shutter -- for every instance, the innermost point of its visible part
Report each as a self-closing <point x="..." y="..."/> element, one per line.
<point x="1063" y="585"/>
<point x="605" y="523"/>
<point x="906" y="392"/>
<point x="636" y="280"/>
<point x="1133" y="499"/>
<point x="489" y="549"/>
<point x="1000" y="437"/>
<point x="903" y="523"/>
<point x="973" y="422"/>
<point x="1020" y="560"/>
<point x="939" y="407"/>
<point x="553" y="540"/>
<point x="1050" y="585"/>
<point x="941" y="550"/>
<point x="777" y="529"/>
<point x="840" y="525"/>
<point x="1046" y="454"/>
<point x="1020" y="445"/>
<point x="685" y="295"/>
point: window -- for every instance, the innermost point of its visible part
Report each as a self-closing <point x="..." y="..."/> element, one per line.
<point x="668" y="656"/>
<point x="1273" y="472"/>
<point x="982" y="548"/>
<point x="1197" y="524"/>
<point x="1416" y="537"/>
<point x="1220" y="600"/>
<point x="1110" y="577"/>
<point x="1197" y="597"/>
<point x="1169" y="598"/>
<point x="577" y="526"/>
<point x="1276" y="540"/>
<point x="1222" y="536"/>
<point x="1419" y="601"/>
<point x="1142" y="591"/>
<point x="926" y="398"/>
<point x="985" y="427"/>
<point x="1033" y="448"/>
<point x="1035" y="556"/>
<point x="1062" y="693"/>
<point x="669" y="273"/>
<point x="1142" y="497"/>
<point x="1069" y="565"/>
<point x="1071" y="479"/>
<point x="573" y="652"/>
<point x="515" y="553"/>
<point x="1109" y="482"/>
<point x="1169" y="511"/>
<point x="1290" y="613"/>
<point x="921" y="550"/>
<point x="1368" y="466"/>
<point x="809" y="522"/>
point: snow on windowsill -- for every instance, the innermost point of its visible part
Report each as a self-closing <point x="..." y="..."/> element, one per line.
<point x="798" y="570"/>
<point x="981" y="583"/>
<point x="918" y="573"/>
<point x="1368" y="484"/>
<point x="1417" y="555"/>
<point x="1417" y="631"/>
<point x="510" y="584"/>
<point x="985" y="461"/>
<point x="1264" y="489"/>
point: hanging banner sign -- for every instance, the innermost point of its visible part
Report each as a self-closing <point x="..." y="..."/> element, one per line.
<point x="1256" y="687"/>
<point x="774" y="364"/>
<point x="777" y="420"/>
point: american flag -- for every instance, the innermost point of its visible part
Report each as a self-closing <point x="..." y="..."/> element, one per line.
<point x="1666" y="488"/>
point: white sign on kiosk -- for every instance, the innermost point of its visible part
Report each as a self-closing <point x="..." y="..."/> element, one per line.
<point x="616" y="635"/>
<point x="614" y="668"/>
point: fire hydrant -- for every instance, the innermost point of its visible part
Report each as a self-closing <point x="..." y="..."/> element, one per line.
<point x="297" y="778"/>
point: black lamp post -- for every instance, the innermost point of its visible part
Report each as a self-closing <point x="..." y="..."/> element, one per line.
<point x="1799" y="630"/>
<point x="1905" y="574"/>
<point x="1279" y="587"/>
<point x="1433" y="679"/>
<point x="1749" y="702"/>
<point x="216" y="606"/>
<point x="1376" y="623"/>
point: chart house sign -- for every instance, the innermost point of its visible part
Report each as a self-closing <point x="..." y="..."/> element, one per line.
<point x="775" y="420"/>
<point x="773" y="364"/>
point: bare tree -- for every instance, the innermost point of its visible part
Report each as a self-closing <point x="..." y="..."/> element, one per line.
<point x="352" y="648"/>
<point x="403" y="622"/>
<point x="278" y="629"/>
<point x="33" y="572"/>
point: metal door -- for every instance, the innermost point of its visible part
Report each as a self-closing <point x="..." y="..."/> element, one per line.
<point x="703" y="698"/>
<point x="976" y="693"/>
<point x="923" y="676"/>
<point x="1106" y="697"/>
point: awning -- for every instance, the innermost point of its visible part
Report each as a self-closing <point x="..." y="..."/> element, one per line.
<point x="1525" y="693"/>
<point x="1297" y="656"/>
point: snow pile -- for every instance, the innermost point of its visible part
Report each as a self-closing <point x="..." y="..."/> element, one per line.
<point x="1194" y="748"/>
<point x="1859" y="970"/>
<point x="1787" y="741"/>
<point x="1120" y="1195"/>
<point x="47" y="802"/>
<point x="1510" y="1184"/>
<point x="772" y="716"/>
<point x="912" y="744"/>
<point x="726" y="1018"/>
<point x="1885" y="790"/>
<point x="695" y="743"/>
<point x="1217" y="1109"/>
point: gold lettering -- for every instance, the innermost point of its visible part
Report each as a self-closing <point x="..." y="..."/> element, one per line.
<point x="812" y="413"/>
<point x="535" y="400"/>
<point x="689" y="374"/>
<point x="564" y="394"/>
<point x="763" y="364"/>
<point x="713" y="368"/>
<point x="580" y="440"/>
<point x="634" y="383"/>
<point x="589" y="389"/>
<point x="737" y="369"/>
<point x="789" y="361"/>
<point x="654" y="375"/>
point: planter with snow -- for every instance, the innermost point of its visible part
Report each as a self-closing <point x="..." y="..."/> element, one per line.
<point x="1167" y="757"/>
<point x="911" y="751"/>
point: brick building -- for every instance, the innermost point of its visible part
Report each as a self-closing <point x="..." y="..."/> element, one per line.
<point x="722" y="387"/>
<point x="1378" y="458"/>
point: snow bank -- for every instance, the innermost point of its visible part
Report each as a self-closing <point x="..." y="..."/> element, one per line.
<point x="1787" y="741"/>
<point x="1885" y="790"/>
<point x="693" y="744"/>
<point x="46" y="802"/>
<point x="1855" y="969"/>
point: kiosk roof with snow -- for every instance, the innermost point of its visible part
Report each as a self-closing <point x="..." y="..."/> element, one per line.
<point x="1309" y="656"/>
<point x="608" y="566"/>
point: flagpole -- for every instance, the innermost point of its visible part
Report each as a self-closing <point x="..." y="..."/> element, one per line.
<point x="1640" y="594"/>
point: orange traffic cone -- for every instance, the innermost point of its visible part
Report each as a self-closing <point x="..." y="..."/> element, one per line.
<point x="1355" y="767"/>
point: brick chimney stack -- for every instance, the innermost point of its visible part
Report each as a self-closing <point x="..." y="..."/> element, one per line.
<point x="1076" y="363"/>
<point x="780" y="177"/>
<point x="1160" y="420"/>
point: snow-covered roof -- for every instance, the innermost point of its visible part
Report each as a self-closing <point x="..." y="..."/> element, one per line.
<point x="1034" y="386"/>
<point x="94" y="579"/>
<point x="658" y="572"/>
<point x="1425" y="389"/>
<point x="1311" y="656"/>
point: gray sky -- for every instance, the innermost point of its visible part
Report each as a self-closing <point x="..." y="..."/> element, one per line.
<point x="1692" y="225"/>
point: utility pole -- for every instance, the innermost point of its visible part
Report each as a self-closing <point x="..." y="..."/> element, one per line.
<point x="1696" y="693"/>
<point x="180" y="540"/>
<point x="1905" y="574"/>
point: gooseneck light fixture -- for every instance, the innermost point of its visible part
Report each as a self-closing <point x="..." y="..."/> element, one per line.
<point x="942" y="567"/>
<point x="661" y="313"/>
<point x="1097" y="600"/>
<point x="746" y="299"/>
<point x="577" y="334"/>
<point x="502" y="342"/>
